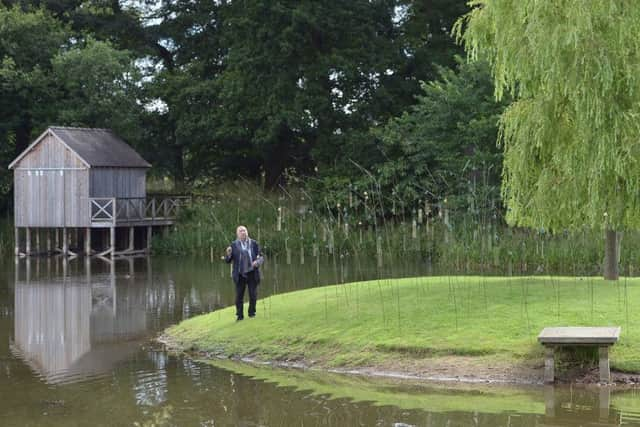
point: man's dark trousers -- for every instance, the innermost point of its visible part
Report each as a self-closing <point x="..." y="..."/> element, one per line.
<point x="251" y="283"/>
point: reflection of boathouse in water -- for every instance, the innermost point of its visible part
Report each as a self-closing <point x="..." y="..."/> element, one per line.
<point x="77" y="325"/>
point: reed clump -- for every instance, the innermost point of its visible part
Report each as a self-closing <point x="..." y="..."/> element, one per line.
<point x="297" y="226"/>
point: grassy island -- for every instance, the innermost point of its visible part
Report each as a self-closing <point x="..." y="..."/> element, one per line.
<point x="449" y="325"/>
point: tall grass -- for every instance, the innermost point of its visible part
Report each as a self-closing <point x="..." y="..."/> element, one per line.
<point x="371" y="229"/>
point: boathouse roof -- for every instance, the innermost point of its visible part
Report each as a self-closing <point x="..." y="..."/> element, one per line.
<point x="95" y="147"/>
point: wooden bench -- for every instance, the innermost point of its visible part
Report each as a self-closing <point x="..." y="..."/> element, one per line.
<point x="601" y="337"/>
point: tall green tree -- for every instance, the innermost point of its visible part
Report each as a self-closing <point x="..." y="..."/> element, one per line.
<point x="28" y="42"/>
<point x="418" y="43"/>
<point x="50" y="74"/>
<point x="300" y="75"/>
<point x="97" y="85"/>
<point x="445" y="145"/>
<point x="186" y="61"/>
<point x="571" y="139"/>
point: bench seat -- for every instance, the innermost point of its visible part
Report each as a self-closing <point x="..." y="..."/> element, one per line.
<point x="602" y="337"/>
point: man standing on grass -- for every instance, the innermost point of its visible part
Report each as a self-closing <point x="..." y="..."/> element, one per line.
<point x="247" y="259"/>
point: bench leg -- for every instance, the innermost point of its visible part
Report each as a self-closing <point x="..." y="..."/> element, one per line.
<point x="605" y="372"/>
<point x="549" y="368"/>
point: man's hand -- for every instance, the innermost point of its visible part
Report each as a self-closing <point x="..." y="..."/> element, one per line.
<point x="229" y="251"/>
<point x="255" y="263"/>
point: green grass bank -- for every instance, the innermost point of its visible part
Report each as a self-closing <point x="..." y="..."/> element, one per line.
<point x="477" y="324"/>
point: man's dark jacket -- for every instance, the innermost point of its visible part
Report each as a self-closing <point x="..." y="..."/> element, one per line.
<point x="256" y="255"/>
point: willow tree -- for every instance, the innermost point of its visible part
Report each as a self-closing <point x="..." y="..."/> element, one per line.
<point x="571" y="139"/>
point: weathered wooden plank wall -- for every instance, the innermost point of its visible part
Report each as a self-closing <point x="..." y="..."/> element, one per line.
<point x="51" y="187"/>
<point x="118" y="182"/>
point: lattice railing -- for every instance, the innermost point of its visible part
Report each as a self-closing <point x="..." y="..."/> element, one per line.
<point x="131" y="209"/>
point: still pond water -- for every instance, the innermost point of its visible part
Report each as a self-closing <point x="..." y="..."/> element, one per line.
<point x="75" y="351"/>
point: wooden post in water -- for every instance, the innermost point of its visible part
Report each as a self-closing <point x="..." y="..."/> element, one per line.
<point x="112" y="241"/>
<point x="28" y="241"/>
<point x="16" y="238"/>
<point x="48" y="240"/>
<point x="37" y="241"/>
<point x="87" y="241"/>
<point x="65" y="242"/>
<point x="56" y="239"/>
<point x="149" y="236"/>
<point x="132" y="236"/>
<point x="87" y="270"/>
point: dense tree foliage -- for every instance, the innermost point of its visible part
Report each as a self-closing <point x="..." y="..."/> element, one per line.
<point x="571" y="136"/>
<point x="445" y="145"/>
<point x="209" y="90"/>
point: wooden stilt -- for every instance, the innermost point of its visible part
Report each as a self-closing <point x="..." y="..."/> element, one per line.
<point x="28" y="241"/>
<point x="56" y="239"/>
<point x="132" y="236"/>
<point x="87" y="269"/>
<point x="16" y="238"/>
<point x="87" y="241"/>
<point x="112" y="275"/>
<point x="149" y="270"/>
<point x="37" y="241"/>
<point x="65" y="242"/>
<point x="112" y="241"/>
<point x="149" y="238"/>
<point x="48" y="232"/>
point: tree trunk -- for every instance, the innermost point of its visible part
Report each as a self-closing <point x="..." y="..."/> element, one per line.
<point x="178" y="169"/>
<point x="277" y="157"/>
<point x="612" y="254"/>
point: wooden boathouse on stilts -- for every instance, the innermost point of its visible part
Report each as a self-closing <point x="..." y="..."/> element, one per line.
<point x="83" y="191"/>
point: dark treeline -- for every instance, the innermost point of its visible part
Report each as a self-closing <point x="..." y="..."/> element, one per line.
<point x="341" y="95"/>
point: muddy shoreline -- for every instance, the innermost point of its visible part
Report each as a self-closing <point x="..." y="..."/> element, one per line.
<point x="446" y="369"/>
